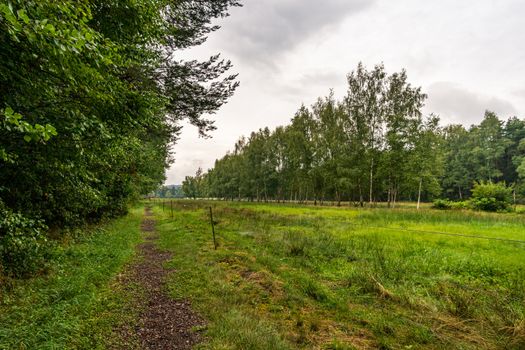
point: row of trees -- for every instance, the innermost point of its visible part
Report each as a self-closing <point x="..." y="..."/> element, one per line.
<point x="91" y="98"/>
<point x="373" y="145"/>
<point x="170" y="191"/>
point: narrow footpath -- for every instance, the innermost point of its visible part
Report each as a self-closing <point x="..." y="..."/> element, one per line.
<point x="164" y="323"/>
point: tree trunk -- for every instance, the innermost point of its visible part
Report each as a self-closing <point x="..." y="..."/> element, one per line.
<point x="371" y="180"/>
<point x="419" y="193"/>
<point x="306" y="196"/>
<point x="394" y="199"/>
<point x="361" y="200"/>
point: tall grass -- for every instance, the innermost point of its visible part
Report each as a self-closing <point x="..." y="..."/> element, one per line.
<point x="327" y="278"/>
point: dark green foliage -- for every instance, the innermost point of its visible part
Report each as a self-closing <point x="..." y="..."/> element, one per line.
<point x="442" y="204"/>
<point x="192" y="186"/>
<point x="91" y="98"/>
<point x="489" y="151"/>
<point x="490" y="196"/>
<point x="22" y="243"/>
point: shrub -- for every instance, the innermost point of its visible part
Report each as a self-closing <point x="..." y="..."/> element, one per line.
<point x="22" y="243"/>
<point x="442" y="204"/>
<point x="490" y="196"/>
<point x="460" y="205"/>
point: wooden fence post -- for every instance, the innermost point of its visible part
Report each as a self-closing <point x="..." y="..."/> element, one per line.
<point x="213" y="229"/>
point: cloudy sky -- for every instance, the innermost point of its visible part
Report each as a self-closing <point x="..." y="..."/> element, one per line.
<point x="467" y="55"/>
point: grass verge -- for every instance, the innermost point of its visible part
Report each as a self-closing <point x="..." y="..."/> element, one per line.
<point x="78" y="304"/>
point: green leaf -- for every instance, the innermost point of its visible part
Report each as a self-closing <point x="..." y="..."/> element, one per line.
<point x="50" y="28"/>
<point x="10" y="16"/>
<point x="27" y="138"/>
<point x="23" y="16"/>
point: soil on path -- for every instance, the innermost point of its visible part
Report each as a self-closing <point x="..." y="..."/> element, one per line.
<point x="164" y="323"/>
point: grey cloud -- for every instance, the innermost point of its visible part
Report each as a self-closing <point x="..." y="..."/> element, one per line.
<point x="519" y="93"/>
<point x="318" y="83"/>
<point x="261" y="30"/>
<point x="322" y="78"/>
<point x="458" y="105"/>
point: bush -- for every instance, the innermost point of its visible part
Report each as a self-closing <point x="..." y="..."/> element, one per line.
<point x="460" y="205"/>
<point x="445" y="204"/>
<point x="22" y="244"/>
<point x="442" y="204"/>
<point x="490" y="196"/>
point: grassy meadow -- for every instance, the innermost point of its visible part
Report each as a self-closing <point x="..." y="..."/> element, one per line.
<point x="296" y="277"/>
<point x="289" y="277"/>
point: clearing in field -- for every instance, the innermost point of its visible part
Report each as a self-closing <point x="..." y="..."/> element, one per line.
<point x="287" y="277"/>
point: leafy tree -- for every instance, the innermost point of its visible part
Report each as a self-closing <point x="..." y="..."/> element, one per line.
<point x="488" y="146"/>
<point x="92" y="96"/>
<point x="192" y="186"/>
<point x="514" y="131"/>
<point x="458" y="176"/>
<point x="426" y="159"/>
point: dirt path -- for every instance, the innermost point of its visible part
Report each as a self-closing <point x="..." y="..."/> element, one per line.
<point x="164" y="323"/>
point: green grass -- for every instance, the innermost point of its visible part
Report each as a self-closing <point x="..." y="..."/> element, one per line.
<point x="77" y="304"/>
<point x="291" y="277"/>
<point x="294" y="277"/>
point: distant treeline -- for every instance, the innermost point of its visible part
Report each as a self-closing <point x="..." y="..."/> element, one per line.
<point x="373" y="145"/>
<point x="170" y="191"/>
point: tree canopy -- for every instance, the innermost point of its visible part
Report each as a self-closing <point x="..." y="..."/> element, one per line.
<point x="92" y="95"/>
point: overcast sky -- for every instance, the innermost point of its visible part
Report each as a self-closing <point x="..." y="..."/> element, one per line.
<point x="467" y="55"/>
